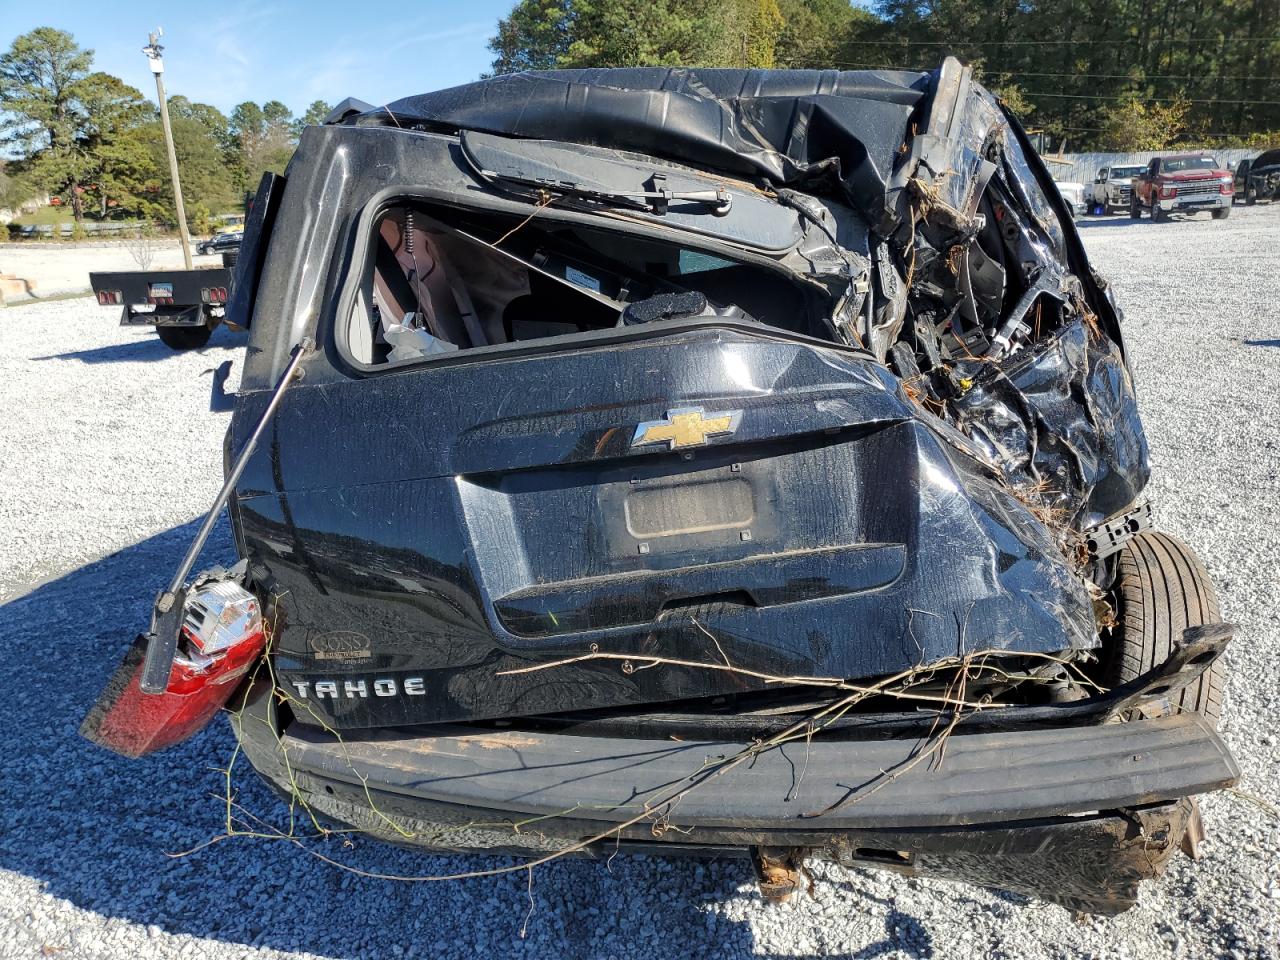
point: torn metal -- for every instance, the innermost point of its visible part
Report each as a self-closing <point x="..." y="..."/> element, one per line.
<point x="922" y="211"/>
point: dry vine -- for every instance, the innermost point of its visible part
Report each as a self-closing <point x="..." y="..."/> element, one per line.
<point x="656" y="807"/>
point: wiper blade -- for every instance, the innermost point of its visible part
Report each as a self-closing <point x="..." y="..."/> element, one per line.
<point x="656" y="200"/>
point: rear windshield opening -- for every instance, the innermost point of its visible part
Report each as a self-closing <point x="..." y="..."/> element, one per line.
<point x="439" y="281"/>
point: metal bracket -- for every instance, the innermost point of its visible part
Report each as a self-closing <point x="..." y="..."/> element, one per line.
<point x="1192" y="656"/>
<point x="778" y="871"/>
<point x="1111" y="535"/>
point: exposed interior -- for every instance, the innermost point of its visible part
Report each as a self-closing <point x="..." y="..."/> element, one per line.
<point x="438" y="281"/>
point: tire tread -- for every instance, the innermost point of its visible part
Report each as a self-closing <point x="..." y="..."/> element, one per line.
<point x="1161" y="589"/>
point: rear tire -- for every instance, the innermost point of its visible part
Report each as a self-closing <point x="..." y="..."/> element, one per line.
<point x="1135" y="209"/>
<point x="229" y="259"/>
<point x="1158" y="214"/>
<point x="1222" y="213"/>
<point x="1161" y="589"/>
<point x="1250" y="196"/>
<point x="184" y="338"/>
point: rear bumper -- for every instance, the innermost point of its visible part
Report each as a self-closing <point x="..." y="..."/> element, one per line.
<point x="1076" y="815"/>
<point x="175" y="316"/>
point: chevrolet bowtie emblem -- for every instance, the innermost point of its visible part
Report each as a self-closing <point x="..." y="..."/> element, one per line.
<point x="686" y="427"/>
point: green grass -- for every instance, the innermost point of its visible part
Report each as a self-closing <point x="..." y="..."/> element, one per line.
<point x="55" y="216"/>
<point x="45" y="215"/>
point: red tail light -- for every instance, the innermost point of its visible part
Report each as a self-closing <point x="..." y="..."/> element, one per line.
<point x="222" y="636"/>
<point x="109" y="297"/>
<point x="213" y="294"/>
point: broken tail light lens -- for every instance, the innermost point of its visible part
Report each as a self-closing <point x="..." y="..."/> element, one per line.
<point x="222" y="637"/>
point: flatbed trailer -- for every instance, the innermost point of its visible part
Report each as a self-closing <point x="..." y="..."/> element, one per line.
<point x="185" y="306"/>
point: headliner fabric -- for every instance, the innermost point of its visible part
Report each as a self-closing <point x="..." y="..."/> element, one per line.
<point x="819" y="130"/>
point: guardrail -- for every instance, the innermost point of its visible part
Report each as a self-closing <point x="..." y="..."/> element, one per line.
<point x="46" y="231"/>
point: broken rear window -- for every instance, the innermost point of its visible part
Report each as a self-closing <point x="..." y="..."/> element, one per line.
<point x="437" y="282"/>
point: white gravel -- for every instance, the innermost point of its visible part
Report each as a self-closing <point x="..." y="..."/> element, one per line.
<point x="108" y="454"/>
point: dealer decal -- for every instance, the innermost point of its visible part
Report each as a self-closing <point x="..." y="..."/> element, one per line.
<point x="341" y="645"/>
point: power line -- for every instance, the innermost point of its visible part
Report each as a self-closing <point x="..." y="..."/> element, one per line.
<point x="1126" y="76"/>
<point x="866" y="64"/>
<point x="1088" y="96"/>
<point x="1076" y="43"/>
<point x="1191" y="136"/>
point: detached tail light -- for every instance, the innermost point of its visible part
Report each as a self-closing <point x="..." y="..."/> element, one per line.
<point x="222" y="636"/>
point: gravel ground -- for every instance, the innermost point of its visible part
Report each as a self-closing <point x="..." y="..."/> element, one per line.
<point x="109" y="454"/>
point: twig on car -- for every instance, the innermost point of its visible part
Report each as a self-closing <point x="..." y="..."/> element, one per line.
<point x="648" y="661"/>
<point x="657" y="806"/>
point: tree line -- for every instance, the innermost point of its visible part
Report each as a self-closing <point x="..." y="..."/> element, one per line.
<point x="1093" y="74"/>
<point x="96" y="142"/>
<point x="1090" y="74"/>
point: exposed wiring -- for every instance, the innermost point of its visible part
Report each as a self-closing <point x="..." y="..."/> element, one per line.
<point x="546" y="199"/>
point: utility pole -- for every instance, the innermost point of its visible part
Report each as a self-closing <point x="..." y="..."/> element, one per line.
<point x="153" y="50"/>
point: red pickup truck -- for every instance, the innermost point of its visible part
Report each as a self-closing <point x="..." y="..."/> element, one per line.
<point x="1183" y="184"/>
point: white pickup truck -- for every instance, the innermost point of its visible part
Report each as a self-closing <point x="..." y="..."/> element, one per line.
<point x="1111" y="188"/>
<point x="1074" y="195"/>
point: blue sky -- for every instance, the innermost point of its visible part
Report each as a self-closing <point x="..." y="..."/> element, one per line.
<point x="225" y="53"/>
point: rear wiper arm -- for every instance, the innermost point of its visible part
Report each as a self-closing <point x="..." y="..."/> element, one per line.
<point x="656" y="200"/>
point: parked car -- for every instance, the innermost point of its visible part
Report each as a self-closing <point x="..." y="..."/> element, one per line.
<point x="231" y="222"/>
<point x="1259" y="178"/>
<point x="1111" y="188"/>
<point x="637" y="474"/>
<point x="1073" y="196"/>
<point x="1182" y="184"/>
<point x="220" y="243"/>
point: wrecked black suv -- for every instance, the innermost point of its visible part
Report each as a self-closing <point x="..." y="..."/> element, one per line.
<point x="695" y="460"/>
